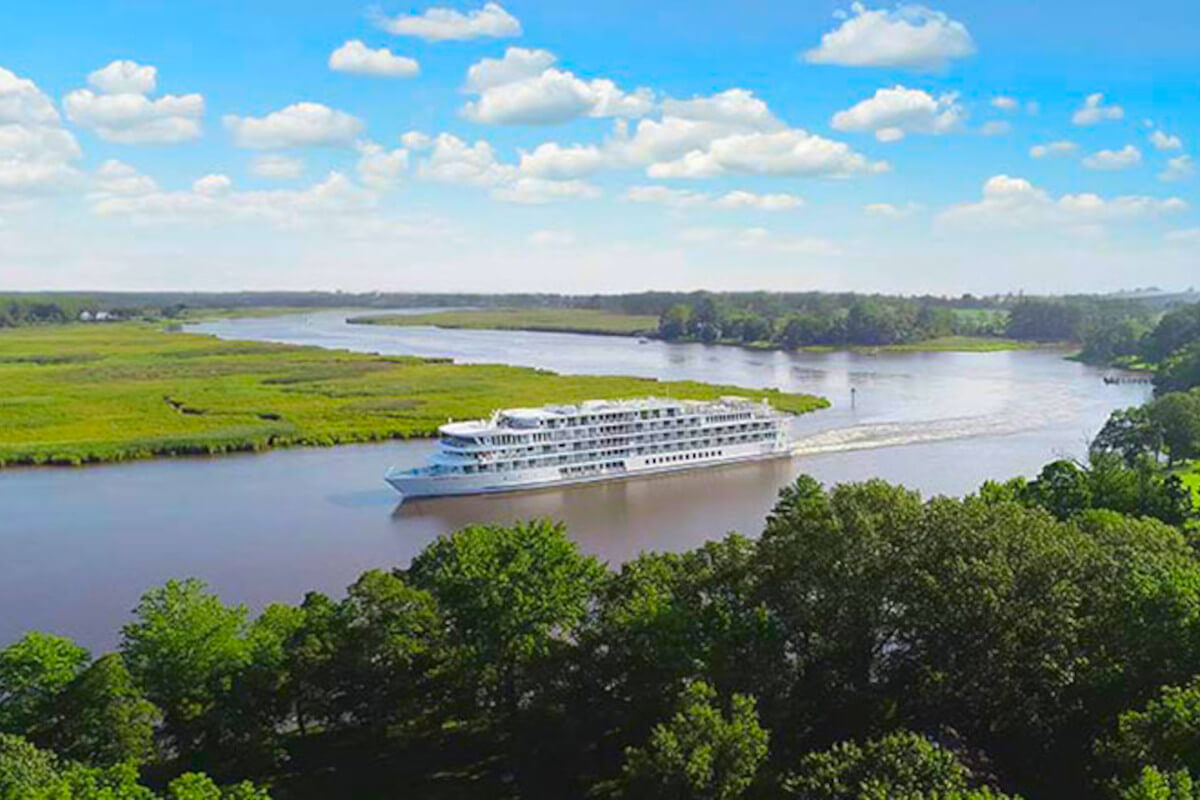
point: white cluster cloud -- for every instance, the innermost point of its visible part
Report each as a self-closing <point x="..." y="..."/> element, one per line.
<point x="302" y="124"/>
<point x="118" y="178"/>
<point x="1165" y="141"/>
<point x="1015" y="203"/>
<point x="736" y="199"/>
<point x="728" y="133"/>
<point x="1112" y="160"/>
<point x="212" y="199"/>
<point x="452" y="160"/>
<point x="1094" y="111"/>
<point x="447" y="24"/>
<point x="378" y="167"/>
<point x="892" y="113"/>
<point x="538" y="191"/>
<point x="523" y="88"/>
<point x="36" y="152"/>
<point x="1005" y="103"/>
<point x="277" y="166"/>
<point x="1178" y="169"/>
<point x="356" y="58"/>
<point x="1062" y="147"/>
<point x="120" y="110"/>
<point x="996" y="127"/>
<point x="910" y="36"/>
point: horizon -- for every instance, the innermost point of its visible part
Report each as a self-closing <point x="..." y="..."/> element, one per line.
<point x="521" y="146"/>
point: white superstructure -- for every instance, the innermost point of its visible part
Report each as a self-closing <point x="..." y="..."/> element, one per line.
<point x="524" y="448"/>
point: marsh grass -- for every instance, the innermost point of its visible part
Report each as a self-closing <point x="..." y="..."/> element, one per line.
<point x="552" y="320"/>
<point x="76" y="394"/>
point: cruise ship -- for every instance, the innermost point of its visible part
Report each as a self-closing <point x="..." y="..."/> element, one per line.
<point x="528" y="448"/>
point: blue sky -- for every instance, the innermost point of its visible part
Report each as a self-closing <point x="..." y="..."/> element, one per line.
<point x="964" y="146"/>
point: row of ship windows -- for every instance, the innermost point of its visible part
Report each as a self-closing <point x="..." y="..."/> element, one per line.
<point x="545" y="437"/>
<point x="590" y="468"/>
<point x="685" y="457"/>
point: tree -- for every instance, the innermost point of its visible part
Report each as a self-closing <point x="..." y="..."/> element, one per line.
<point x="33" y="670"/>
<point x="699" y="754"/>
<point x="101" y="718"/>
<point x="184" y="648"/>
<point x="1177" y="416"/>
<point x="1131" y="433"/>
<point x="674" y="321"/>
<point x="1062" y="488"/>
<point x="901" y="765"/>
<point x="1179" y="372"/>
<point x="1152" y="784"/>
<point x="1163" y="734"/>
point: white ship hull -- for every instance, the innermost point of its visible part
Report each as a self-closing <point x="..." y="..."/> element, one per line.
<point x="413" y="484"/>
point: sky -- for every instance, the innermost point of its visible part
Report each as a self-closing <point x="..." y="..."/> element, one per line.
<point x="964" y="146"/>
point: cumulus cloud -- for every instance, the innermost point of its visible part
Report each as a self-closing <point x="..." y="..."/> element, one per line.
<point x="995" y="127"/>
<point x="892" y="113"/>
<point x="212" y="185"/>
<point x="1189" y="236"/>
<point x="451" y="160"/>
<point x="1178" y="169"/>
<point x="355" y="57"/>
<point x="1164" y="141"/>
<point x="1061" y="147"/>
<point x="379" y="167"/>
<point x="277" y="167"/>
<point x="1094" y="111"/>
<point x="517" y="64"/>
<point x="122" y="112"/>
<point x="538" y="191"/>
<point x="36" y="152"/>
<point x="447" y="24"/>
<point x="910" y="37"/>
<point x="1128" y="156"/>
<point x="791" y="152"/>
<point x="522" y="88"/>
<point x="1015" y="203"/>
<point x="118" y="178"/>
<point x="299" y="125"/>
<point x="736" y="199"/>
<point x="552" y="160"/>
<point x="738" y="107"/>
<point x="1005" y="103"/>
<point x="739" y="198"/>
<point x="336" y="200"/>
<point x="124" y="77"/>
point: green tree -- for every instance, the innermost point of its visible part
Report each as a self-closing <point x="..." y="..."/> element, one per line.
<point x="1163" y="734"/>
<point x="1062" y="488"/>
<point x="699" y="754"/>
<point x="900" y="766"/>
<point x="1152" y="784"/>
<point x="674" y="321"/>
<point x="184" y="648"/>
<point x="1180" y="371"/>
<point x="1130" y="432"/>
<point x="1177" y="416"/>
<point x="33" y="670"/>
<point x="101" y="718"/>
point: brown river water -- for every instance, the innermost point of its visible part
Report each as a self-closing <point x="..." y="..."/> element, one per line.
<point x="78" y="546"/>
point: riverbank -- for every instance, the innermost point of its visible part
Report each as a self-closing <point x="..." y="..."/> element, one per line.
<point x="79" y="393"/>
<point x="606" y="323"/>
<point x="545" y="320"/>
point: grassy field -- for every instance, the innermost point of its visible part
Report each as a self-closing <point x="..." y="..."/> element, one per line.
<point x="1191" y="479"/>
<point x="73" y="394"/>
<point x="558" y="320"/>
<point x="961" y="344"/>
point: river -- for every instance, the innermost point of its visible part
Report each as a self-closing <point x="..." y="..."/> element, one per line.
<point x="78" y="546"/>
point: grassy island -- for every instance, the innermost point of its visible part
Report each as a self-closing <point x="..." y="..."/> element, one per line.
<point x="550" y="320"/>
<point x="73" y="394"/>
<point x="609" y="323"/>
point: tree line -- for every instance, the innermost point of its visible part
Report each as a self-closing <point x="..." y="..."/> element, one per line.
<point x="1037" y="638"/>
